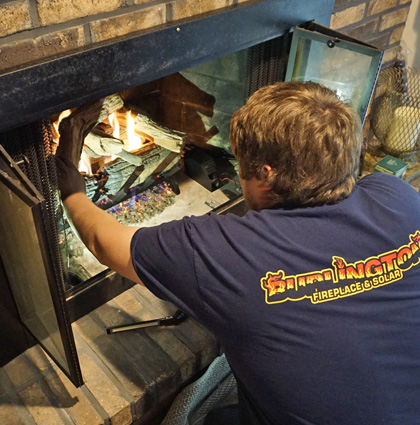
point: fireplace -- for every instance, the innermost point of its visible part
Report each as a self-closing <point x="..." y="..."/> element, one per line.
<point x="183" y="81"/>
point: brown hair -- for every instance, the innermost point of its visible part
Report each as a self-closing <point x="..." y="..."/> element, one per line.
<point x="308" y="137"/>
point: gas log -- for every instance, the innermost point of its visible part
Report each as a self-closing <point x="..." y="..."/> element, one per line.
<point x="111" y="163"/>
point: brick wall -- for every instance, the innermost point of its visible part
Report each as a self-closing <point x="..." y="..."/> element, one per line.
<point x="377" y="22"/>
<point x="32" y="30"/>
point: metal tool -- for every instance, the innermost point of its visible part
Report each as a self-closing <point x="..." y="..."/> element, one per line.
<point x="177" y="318"/>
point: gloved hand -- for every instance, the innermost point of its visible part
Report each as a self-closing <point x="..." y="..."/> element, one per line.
<point x="68" y="177"/>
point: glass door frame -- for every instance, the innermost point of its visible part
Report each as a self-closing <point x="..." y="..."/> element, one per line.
<point x="15" y="180"/>
<point x="315" y="32"/>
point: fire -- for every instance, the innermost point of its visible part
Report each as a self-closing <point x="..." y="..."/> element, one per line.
<point x="123" y="127"/>
<point x="133" y="141"/>
<point x="56" y="124"/>
<point x="114" y="123"/>
<point x="120" y="125"/>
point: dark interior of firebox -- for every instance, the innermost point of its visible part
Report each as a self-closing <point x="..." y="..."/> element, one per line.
<point x="161" y="151"/>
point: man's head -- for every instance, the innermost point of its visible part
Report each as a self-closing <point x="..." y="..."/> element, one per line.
<point x="298" y="143"/>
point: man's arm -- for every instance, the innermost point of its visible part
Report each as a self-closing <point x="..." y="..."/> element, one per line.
<point x="107" y="239"/>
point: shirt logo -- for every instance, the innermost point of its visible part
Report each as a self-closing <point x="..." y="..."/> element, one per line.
<point x="342" y="279"/>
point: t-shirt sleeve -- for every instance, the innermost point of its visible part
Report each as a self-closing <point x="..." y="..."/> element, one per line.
<point x="163" y="257"/>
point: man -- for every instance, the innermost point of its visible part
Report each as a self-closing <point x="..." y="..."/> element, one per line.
<point x="314" y="294"/>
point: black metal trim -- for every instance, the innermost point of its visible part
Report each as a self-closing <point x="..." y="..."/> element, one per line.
<point x="316" y="27"/>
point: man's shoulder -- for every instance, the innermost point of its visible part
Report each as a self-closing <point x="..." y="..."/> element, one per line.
<point x="383" y="180"/>
<point x="213" y="219"/>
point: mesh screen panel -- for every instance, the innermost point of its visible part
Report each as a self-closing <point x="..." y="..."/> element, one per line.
<point x="267" y="63"/>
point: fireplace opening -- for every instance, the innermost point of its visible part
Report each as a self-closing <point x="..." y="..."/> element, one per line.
<point x="158" y="152"/>
<point x="161" y="150"/>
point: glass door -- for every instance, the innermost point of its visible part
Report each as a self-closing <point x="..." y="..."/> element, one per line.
<point x="23" y="249"/>
<point x="343" y="64"/>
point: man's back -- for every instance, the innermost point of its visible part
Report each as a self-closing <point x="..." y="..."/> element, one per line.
<point x="317" y="308"/>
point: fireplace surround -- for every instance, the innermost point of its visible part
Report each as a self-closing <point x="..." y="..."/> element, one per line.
<point x="31" y="95"/>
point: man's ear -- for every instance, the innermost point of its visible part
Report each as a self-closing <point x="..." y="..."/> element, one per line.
<point x="267" y="177"/>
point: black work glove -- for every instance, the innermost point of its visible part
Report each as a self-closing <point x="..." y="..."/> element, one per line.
<point x="68" y="177"/>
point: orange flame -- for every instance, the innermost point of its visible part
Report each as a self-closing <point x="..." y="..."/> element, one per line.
<point x="123" y="127"/>
<point x="56" y="124"/>
<point x="113" y="122"/>
<point x="133" y="141"/>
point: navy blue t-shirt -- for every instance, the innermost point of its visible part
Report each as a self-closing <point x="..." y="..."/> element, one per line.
<point x="316" y="308"/>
